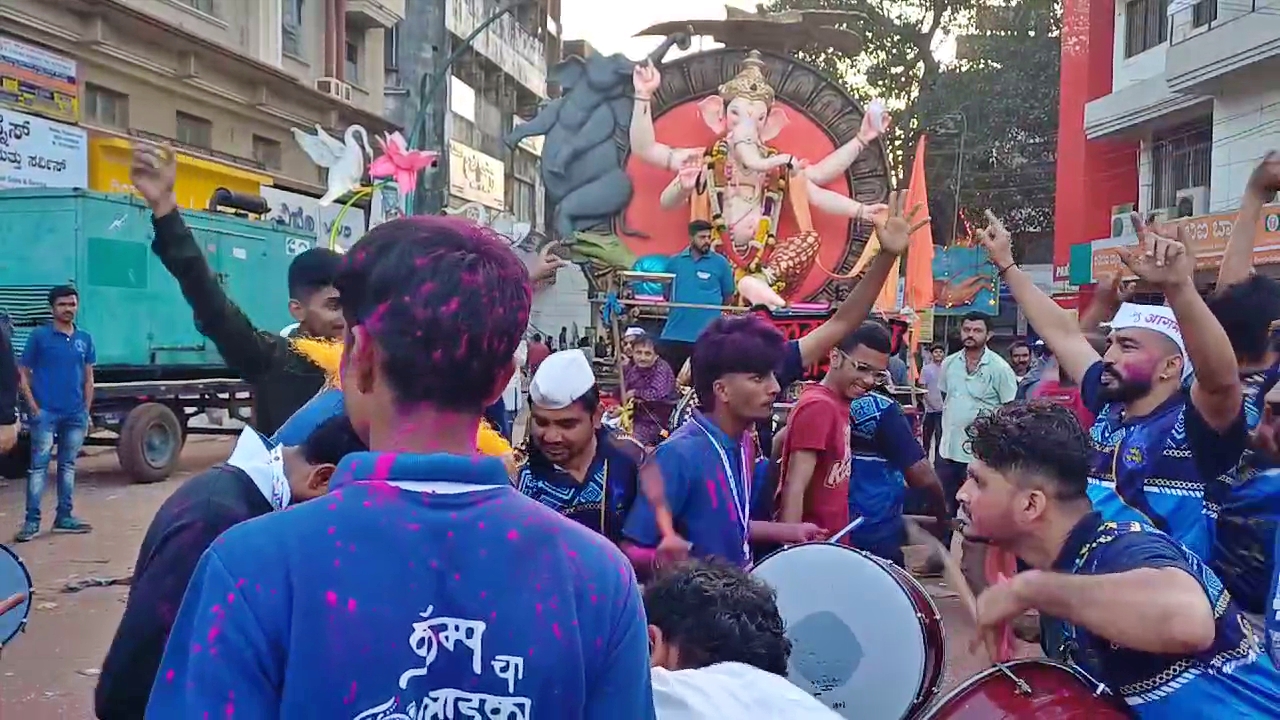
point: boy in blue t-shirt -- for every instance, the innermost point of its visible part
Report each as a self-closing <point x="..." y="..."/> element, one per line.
<point x="423" y="584"/>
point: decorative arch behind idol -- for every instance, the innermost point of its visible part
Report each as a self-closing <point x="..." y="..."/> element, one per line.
<point x="822" y="118"/>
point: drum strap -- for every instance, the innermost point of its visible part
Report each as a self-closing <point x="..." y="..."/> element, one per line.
<point x="1070" y="648"/>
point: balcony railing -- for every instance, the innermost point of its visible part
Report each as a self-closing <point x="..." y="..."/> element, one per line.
<point x="506" y="43"/>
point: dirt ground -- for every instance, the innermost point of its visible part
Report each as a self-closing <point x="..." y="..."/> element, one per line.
<point x="49" y="672"/>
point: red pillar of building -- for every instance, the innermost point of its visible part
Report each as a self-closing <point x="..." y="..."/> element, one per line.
<point x="1092" y="176"/>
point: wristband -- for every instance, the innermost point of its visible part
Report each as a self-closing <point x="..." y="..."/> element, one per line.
<point x="1000" y="271"/>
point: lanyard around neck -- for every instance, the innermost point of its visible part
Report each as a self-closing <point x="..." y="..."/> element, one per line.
<point x="741" y="504"/>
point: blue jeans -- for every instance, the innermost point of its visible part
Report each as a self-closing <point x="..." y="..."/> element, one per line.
<point x="70" y="431"/>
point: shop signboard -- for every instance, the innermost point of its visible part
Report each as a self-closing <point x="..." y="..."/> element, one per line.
<point x="35" y="80"/>
<point x="36" y="153"/>
<point x="304" y="214"/>
<point x="476" y="177"/>
<point x="1208" y="234"/>
<point x="196" y="182"/>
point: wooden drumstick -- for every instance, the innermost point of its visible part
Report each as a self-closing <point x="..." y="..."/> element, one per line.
<point x="951" y="571"/>
<point x="12" y="602"/>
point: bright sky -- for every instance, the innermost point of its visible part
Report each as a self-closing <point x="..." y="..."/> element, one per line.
<point x="610" y="24"/>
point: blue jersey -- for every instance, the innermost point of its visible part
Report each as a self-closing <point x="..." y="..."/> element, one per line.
<point x="884" y="447"/>
<point x="1232" y="679"/>
<point x="706" y="476"/>
<point x="1248" y="503"/>
<point x="1153" y="469"/>
<point x="603" y="498"/>
<point x="420" y="586"/>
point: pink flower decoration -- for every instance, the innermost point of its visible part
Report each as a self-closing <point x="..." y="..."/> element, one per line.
<point x="400" y="163"/>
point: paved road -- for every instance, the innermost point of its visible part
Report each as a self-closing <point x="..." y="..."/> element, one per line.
<point x="49" y="672"/>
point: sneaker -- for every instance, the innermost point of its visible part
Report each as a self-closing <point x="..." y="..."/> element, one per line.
<point x="71" y="524"/>
<point x="28" y="532"/>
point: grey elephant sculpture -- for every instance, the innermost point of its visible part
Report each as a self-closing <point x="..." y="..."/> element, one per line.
<point x="585" y="141"/>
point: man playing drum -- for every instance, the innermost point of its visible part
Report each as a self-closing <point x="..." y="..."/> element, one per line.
<point x="1124" y="602"/>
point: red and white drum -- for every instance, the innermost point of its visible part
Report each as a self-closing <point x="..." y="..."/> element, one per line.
<point x="866" y="638"/>
<point x="1030" y="689"/>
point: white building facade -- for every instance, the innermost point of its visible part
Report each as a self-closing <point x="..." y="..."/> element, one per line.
<point x="1196" y="84"/>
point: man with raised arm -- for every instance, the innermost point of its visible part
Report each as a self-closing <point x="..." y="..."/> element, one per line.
<point x="1156" y="441"/>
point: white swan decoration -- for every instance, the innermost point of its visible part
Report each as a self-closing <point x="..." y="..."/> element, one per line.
<point x="344" y="161"/>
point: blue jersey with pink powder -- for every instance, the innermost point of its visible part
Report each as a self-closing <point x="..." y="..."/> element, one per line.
<point x="422" y="586"/>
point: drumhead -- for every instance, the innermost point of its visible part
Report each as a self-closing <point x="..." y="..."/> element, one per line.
<point x="14" y="578"/>
<point x="857" y="639"/>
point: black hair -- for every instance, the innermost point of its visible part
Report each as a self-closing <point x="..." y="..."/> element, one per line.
<point x="745" y="344"/>
<point x="1019" y="344"/>
<point x="698" y="226"/>
<point x="312" y="271"/>
<point x="61" y="291"/>
<point x="537" y="337"/>
<point x="937" y="346"/>
<point x="975" y="316"/>
<point x="1246" y="310"/>
<point x="331" y="441"/>
<point x="872" y="335"/>
<point x="714" y="612"/>
<point x="1034" y="437"/>
<point x="445" y="300"/>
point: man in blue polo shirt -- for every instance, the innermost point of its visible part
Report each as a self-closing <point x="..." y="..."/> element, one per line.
<point x="57" y="383"/>
<point x="703" y="277"/>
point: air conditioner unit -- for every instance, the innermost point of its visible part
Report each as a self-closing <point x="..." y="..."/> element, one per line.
<point x="1193" y="201"/>
<point x="334" y="87"/>
<point x="1121" y="222"/>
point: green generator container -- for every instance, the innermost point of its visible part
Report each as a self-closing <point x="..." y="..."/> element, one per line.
<point x="142" y="327"/>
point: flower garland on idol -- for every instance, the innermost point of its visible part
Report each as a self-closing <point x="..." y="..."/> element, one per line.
<point x="765" y="237"/>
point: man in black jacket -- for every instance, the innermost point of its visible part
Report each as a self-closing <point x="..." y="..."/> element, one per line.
<point x="255" y="480"/>
<point x="285" y="372"/>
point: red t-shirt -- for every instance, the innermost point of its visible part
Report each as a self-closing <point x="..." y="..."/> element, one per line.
<point x="820" y="422"/>
<point x="1053" y="391"/>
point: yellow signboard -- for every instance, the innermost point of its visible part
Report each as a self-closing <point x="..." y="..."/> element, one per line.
<point x="109" y="159"/>
<point x="37" y="81"/>
<point x="477" y="177"/>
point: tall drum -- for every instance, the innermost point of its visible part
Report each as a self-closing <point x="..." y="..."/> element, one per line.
<point x="866" y="638"/>
<point x="1030" y="689"/>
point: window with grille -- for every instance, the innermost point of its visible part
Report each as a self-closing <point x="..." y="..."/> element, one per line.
<point x="195" y="131"/>
<point x="353" y="63"/>
<point x="268" y="152"/>
<point x="523" y="200"/>
<point x="291" y="27"/>
<point x="106" y="107"/>
<point x="1146" y="24"/>
<point x="1204" y="12"/>
<point x="1180" y="158"/>
<point x="391" y="48"/>
<point x="204" y="6"/>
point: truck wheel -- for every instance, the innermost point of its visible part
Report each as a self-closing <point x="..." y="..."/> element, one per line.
<point x="150" y="445"/>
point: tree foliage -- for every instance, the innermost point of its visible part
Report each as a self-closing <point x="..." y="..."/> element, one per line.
<point x="1000" y="94"/>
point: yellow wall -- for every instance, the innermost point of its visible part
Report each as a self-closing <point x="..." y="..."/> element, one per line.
<point x="109" y="160"/>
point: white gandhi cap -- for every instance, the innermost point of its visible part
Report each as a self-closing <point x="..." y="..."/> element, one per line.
<point x="561" y="379"/>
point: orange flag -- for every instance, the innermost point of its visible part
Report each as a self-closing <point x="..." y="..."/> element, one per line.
<point x="918" y="293"/>
<point x="918" y="289"/>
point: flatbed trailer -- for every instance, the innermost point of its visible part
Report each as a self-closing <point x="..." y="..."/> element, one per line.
<point x="148" y="422"/>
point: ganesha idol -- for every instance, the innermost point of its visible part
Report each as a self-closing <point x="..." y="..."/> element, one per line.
<point x="740" y="183"/>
